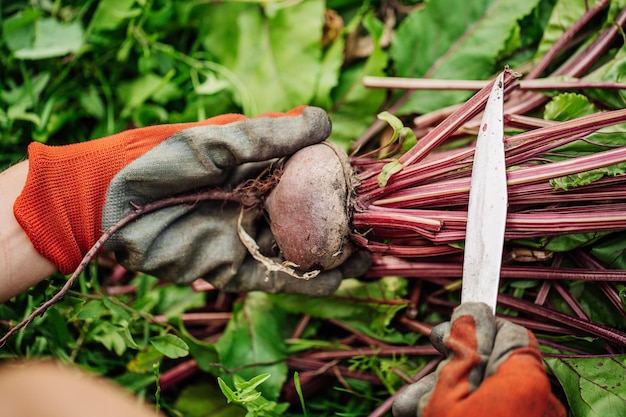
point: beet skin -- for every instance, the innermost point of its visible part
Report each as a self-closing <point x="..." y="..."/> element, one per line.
<point x="309" y="209"/>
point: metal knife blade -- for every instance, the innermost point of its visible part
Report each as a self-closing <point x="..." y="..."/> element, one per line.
<point x="486" y="216"/>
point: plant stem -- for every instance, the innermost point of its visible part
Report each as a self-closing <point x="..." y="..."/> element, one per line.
<point x="398" y="83"/>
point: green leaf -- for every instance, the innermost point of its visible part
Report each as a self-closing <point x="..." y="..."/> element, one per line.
<point x="585" y="178"/>
<point x="93" y="309"/>
<point x="57" y="327"/>
<point x="249" y="386"/>
<point x="51" y="39"/>
<point x="171" y="346"/>
<point x="253" y="343"/>
<point x="568" y="106"/>
<point x="111" y="13"/>
<point x="18" y="31"/>
<point x="139" y="90"/>
<point x="330" y="72"/>
<point x="466" y="46"/>
<point x="117" y="311"/>
<point x="595" y="387"/>
<point x="258" y="47"/>
<point x="209" y="84"/>
<point x="298" y="387"/>
<point x="111" y="337"/>
<point x="603" y="139"/>
<point x="92" y="103"/>
<point x="246" y="395"/>
<point x="622" y="294"/>
<point x="354" y="105"/>
<point x="205" y="354"/>
<point x="144" y="361"/>
<point x="228" y="393"/>
<point x="393" y="121"/>
<point x="22" y="97"/>
<point x="561" y="243"/>
<point x="388" y="170"/>
<point x="593" y="301"/>
<point x="611" y="251"/>
<point x="171" y="301"/>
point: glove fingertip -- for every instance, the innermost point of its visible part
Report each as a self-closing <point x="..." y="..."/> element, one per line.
<point x="318" y="121"/>
<point x="437" y="335"/>
<point x="406" y="402"/>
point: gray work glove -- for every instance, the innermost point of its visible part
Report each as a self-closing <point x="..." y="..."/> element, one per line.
<point x="492" y="368"/>
<point x="74" y="193"/>
<point x="180" y="243"/>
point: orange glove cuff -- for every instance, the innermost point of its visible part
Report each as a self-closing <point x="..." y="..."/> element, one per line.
<point x="522" y="381"/>
<point x="519" y="387"/>
<point x="60" y="207"/>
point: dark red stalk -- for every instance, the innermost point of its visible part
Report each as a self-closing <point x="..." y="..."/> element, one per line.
<point x="542" y="294"/>
<point x="439" y="134"/>
<point x="538" y="326"/>
<point x="574" y="323"/>
<point x="524" y="101"/>
<point x="570" y="301"/>
<point x="561" y="348"/>
<point x="521" y="148"/>
<point x="591" y="54"/>
<point x="571" y="325"/>
<point x="585" y="261"/>
<point x="561" y="43"/>
<point x="178" y="374"/>
<point x="330" y="368"/>
<point x="429" y="269"/>
<point x="376" y="351"/>
<point x="359" y="335"/>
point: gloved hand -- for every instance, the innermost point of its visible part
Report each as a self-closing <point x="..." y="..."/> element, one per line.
<point x="75" y="192"/>
<point x="493" y="368"/>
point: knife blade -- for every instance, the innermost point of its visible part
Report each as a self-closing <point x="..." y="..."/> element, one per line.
<point x="486" y="215"/>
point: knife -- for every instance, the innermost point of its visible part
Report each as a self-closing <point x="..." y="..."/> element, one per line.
<point x="486" y="213"/>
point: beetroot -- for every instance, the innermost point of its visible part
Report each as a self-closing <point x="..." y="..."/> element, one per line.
<point x="309" y="209"/>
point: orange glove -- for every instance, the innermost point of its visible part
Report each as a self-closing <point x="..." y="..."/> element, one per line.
<point x="74" y="192"/>
<point x="493" y="368"/>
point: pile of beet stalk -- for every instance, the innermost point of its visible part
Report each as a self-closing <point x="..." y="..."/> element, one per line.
<point x="415" y="223"/>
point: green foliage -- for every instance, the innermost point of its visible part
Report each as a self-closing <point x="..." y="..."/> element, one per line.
<point x="256" y="336"/>
<point x="352" y="304"/>
<point x="568" y="106"/>
<point x="259" y="49"/>
<point x="246" y="394"/>
<point x="466" y="46"/>
<point x="563" y="16"/>
<point x="594" y="386"/>
<point x="354" y="106"/>
<point x="611" y="251"/>
<point x="171" y="346"/>
<point x="74" y="71"/>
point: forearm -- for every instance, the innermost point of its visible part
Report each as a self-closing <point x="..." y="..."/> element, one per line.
<point x="21" y="266"/>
